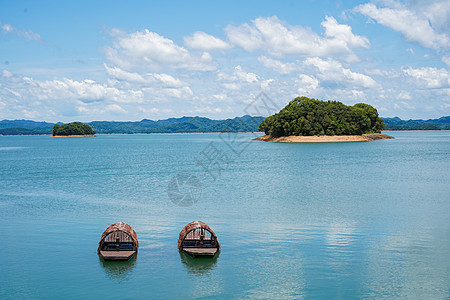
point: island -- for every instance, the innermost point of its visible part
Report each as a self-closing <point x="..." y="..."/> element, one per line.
<point x="307" y="120"/>
<point x="74" y="129"/>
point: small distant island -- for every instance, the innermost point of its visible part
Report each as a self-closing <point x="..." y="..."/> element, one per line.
<point x="306" y="120"/>
<point x="74" y="129"/>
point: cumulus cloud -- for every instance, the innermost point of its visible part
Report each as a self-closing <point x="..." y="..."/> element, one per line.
<point x="278" y="66"/>
<point x="205" y="42"/>
<point x="414" y="26"/>
<point x="6" y="74"/>
<point x="278" y="39"/>
<point x="85" y="91"/>
<point x="446" y="60"/>
<point x="307" y="84"/>
<point x="404" y="95"/>
<point x="62" y="98"/>
<point x="115" y="108"/>
<point x="244" y="76"/>
<point x="27" y="34"/>
<point x="231" y="86"/>
<point x="331" y="70"/>
<point x="438" y="12"/>
<point x="146" y="50"/>
<point x="162" y="79"/>
<point x="238" y="75"/>
<point x="429" y="77"/>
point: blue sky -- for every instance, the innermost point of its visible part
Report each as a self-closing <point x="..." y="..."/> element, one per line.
<point x="129" y="60"/>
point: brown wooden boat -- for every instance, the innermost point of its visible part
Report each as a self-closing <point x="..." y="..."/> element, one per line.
<point x="118" y="242"/>
<point x="198" y="240"/>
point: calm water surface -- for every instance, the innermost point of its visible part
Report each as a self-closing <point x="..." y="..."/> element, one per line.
<point x="339" y="220"/>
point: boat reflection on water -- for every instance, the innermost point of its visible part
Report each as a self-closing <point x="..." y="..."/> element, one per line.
<point x="199" y="266"/>
<point x="118" y="269"/>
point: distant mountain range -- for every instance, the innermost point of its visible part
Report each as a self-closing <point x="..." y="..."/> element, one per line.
<point x="171" y="125"/>
<point x="431" y="124"/>
<point x="196" y="124"/>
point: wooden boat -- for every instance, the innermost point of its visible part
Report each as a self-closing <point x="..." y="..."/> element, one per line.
<point x="118" y="242"/>
<point x="198" y="240"/>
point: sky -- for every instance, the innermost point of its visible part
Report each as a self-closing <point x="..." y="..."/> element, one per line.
<point x="129" y="60"/>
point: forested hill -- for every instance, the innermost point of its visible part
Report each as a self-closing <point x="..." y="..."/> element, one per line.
<point x="431" y="124"/>
<point x="171" y="125"/>
<point x="304" y="116"/>
<point x="73" y="129"/>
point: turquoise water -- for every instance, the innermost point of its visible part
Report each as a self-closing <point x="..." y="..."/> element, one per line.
<point x="339" y="220"/>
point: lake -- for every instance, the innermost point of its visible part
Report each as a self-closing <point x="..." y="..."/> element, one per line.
<point x="336" y="220"/>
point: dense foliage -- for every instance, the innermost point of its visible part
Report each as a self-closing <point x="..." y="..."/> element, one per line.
<point x="305" y="116"/>
<point x="75" y="128"/>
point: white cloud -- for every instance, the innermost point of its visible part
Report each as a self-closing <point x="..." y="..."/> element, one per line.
<point x="237" y="79"/>
<point x="124" y="75"/>
<point x="162" y="79"/>
<point x="231" y="86"/>
<point x="307" y="84"/>
<point x="278" y="66"/>
<point x="266" y="83"/>
<point x="244" y="76"/>
<point x="16" y="94"/>
<point x="64" y="99"/>
<point x="167" y="80"/>
<point x="429" y="77"/>
<point x="209" y="110"/>
<point x="6" y="73"/>
<point x="407" y="105"/>
<point x="146" y="50"/>
<point x="446" y="60"/>
<point x="271" y="35"/>
<point x="221" y="97"/>
<point x="413" y="26"/>
<point x="334" y="71"/>
<point x="151" y="111"/>
<point x="115" y="108"/>
<point x="341" y="35"/>
<point x="245" y="36"/>
<point x="27" y="34"/>
<point x="437" y="11"/>
<point x="205" y="42"/>
<point x="404" y="95"/>
<point x="87" y="91"/>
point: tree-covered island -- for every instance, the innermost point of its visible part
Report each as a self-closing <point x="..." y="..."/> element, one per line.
<point x="73" y="129"/>
<point x="310" y="117"/>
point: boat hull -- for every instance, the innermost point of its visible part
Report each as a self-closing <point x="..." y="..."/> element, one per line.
<point x="201" y="252"/>
<point x="117" y="255"/>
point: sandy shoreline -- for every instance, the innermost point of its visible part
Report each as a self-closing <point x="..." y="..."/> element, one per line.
<point x="62" y="136"/>
<point x="324" y="138"/>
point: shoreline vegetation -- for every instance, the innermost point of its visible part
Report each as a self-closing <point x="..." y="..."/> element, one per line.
<point x="324" y="138"/>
